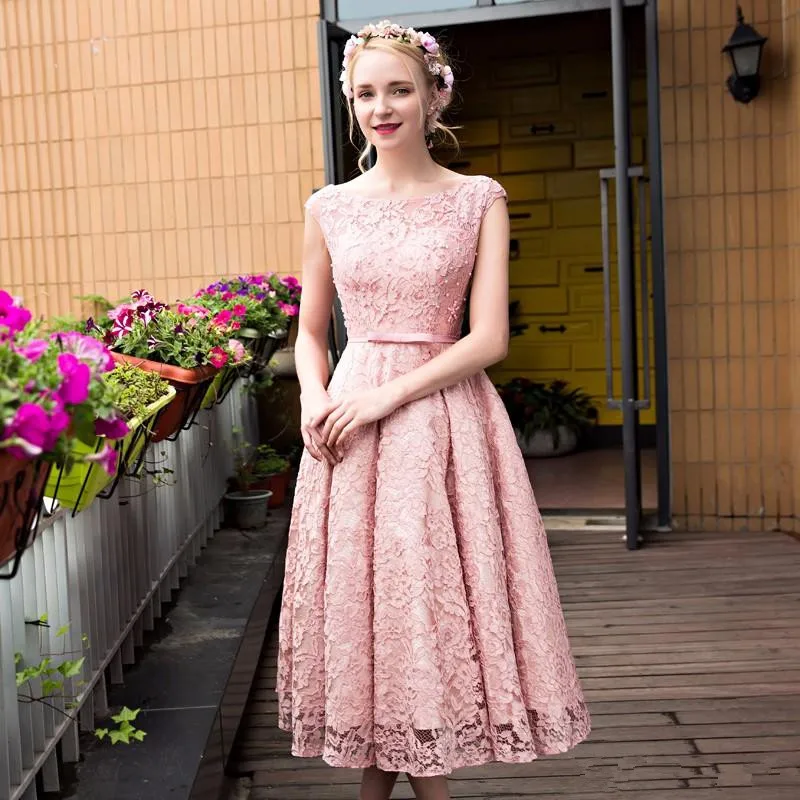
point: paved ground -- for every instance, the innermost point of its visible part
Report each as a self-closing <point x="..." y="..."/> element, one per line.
<point x="689" y="651"/>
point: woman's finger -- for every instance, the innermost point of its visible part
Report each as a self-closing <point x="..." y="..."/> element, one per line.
<point x="335" y="415"/>
<point x="337" y="428"/>
<point x="310" y="445"/>
<point x="323" y="448"/>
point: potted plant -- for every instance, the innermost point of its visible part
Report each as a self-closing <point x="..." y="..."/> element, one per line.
<point x="139" y="397"/>
<point x="245" y="506"/>
<point x="548" y="419"/>
<point x="52" y="395"/>
<point x="270" y="471"/>
<point x="187" y="346"/>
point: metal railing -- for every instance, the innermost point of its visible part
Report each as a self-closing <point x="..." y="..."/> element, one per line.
<point x="99" y="579"/>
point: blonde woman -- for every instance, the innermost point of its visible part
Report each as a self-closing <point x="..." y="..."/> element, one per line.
<point x="421" y="629"/>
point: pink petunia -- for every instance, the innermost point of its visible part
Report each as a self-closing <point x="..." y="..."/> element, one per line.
<point x="288" y="309"/>
<point x="106" y="458"/>
<point x="114" y="428"/>
<point x="76" y="375"/>
<point x="218" y="357"/>
<point x="13" y="318"/>
<point x="33" y="350"/>
<point x="240" y="310"/>
<point x="36" y="430"/>
<point x="238" y="349"/>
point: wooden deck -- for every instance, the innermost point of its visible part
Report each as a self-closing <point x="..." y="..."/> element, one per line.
<point x="689" y="650"/>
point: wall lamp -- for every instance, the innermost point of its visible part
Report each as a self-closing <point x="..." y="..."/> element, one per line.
<point x="745" y="48"/>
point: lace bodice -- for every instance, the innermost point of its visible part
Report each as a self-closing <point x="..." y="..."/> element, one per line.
<point x="403" y="265"/>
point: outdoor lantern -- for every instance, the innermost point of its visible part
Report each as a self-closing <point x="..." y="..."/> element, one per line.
<point x="745" y="48"/>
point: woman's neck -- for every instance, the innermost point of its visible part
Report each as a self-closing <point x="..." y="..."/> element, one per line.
<point x="399" y="169"/>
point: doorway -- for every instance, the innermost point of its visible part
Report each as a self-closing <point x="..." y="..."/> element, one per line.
<point x="536" y="112"/>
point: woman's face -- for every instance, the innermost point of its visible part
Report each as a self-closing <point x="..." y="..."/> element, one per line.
<point x="385" y="100"/>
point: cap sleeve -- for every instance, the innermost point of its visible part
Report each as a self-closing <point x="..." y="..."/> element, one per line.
<point x="315" y="203"/>
<point x="492" y="191"/>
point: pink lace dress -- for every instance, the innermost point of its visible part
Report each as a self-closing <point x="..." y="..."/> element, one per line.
<point x="421" y="628"/>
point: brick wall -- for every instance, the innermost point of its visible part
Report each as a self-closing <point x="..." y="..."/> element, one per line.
<point x="727" y="184"/>
<point x="154" y="144"/>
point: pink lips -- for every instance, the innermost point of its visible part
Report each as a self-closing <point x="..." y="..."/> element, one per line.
<point x="386" y="129"/>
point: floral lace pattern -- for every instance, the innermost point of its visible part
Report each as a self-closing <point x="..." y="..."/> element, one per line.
<point x="421" y="627"/>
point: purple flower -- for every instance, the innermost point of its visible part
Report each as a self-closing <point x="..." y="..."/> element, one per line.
<point x="106" y="458"/>
<point x="114" y="428"/>
<point x="75" y="386"/>
<point x="34" y="350"/>
<point x="290" y="282"/>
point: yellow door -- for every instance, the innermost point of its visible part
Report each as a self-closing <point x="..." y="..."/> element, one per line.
<point x="542" y="125"/>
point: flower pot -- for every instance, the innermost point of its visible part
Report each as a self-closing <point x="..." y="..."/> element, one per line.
<point x="190" y="385"/>
<point x="247" y="509"/>
<point x="277" y="484"/>
<point x="76" y="488"/>
<point x="541" y="444"/>
<point x="21" y="488"/>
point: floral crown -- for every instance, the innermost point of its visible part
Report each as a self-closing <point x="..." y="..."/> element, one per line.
<point x="391" y="30"/>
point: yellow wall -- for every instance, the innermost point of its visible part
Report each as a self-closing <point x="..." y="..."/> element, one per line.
<point x="727" y="181"/>
<point x="145" y="143"/>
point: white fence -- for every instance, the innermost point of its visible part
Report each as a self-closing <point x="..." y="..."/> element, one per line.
<point x="105" y="573"/>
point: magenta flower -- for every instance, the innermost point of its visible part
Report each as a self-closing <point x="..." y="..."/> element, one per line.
<point x="223" y="319"/>
<point x="238" y="350"/>
<point x="75" y="387"/>
<point x="114" y="428"/>
<point x="106" y="458"/>
<point x="218" y="357"/>
<point x="33" y="350"/>
<point x="87" y="349"/>
<point x="290" y="282"/>
<point x="240" y="310"/>
<point x="288" y="309"/>
<point x="13" y="317"/>
<point x="35" y="429"/>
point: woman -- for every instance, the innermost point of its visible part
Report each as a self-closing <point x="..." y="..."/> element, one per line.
<point x="421" y="628"/>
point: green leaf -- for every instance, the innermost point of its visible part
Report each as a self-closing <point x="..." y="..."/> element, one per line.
<point x="126" y="715"/>
<point x="43" y="619"/>
<point x="101" y="733"/>
<point x="63" y="630"/>
<point x="139" y="735"/>
<point x="119" y="736"/>
<point x="69" y="669"/>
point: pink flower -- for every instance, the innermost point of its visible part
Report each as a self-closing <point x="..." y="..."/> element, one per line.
<point x="34" y="350"/>
<point x="238" y="350"/>
<point x="106" y="458"/>
<point x="288" y="309"/>
<point x="429" y="43"/>
<point x="218" y="357"/>
<point x="240" y="310"/>
<point x="223" y="319"/>
<point x="114" y="428"/>
<point x="75" y="387"/>
<point x="227" y="296"/>
<point x="13" y="317"/>
<point x="189" y="311"/>
<point x="290" y="282"/>
<point x="87" y="349"/>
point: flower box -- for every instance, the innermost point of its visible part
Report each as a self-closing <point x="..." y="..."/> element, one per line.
<point x="21" y="490"/>
<point x="190" y="386"/>
<point x="221" y="386"/>
<point x="76" y="488"/>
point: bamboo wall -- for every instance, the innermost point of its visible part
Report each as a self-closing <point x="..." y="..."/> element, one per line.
<point x="727" y="180"/>
<point x="154" y="144"/>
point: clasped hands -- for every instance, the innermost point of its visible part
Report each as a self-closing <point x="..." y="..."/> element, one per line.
<point x="326" y="424"/>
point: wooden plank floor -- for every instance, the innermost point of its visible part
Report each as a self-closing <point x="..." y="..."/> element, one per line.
<point x="689" y="650"/>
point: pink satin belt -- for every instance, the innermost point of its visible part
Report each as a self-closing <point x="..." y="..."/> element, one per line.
<point x="402" y="338"/>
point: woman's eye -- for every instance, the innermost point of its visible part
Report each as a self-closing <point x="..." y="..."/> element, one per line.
<point x="403" y="91"/>
<point x="365" y="94"/>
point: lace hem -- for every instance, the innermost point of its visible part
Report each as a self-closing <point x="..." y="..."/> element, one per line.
<point x="425" y="753"/>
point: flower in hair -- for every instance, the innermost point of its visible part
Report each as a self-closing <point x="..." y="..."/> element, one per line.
<point x="391" y="30"/>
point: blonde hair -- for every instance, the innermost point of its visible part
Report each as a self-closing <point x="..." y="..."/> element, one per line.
<point x="435" y="127"/>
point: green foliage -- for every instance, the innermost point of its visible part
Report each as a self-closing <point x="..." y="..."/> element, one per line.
<point x="52" y="677"/>
<point x="536" y="407"/>
<point x="137" y="389"/>
<point x="266" y="461"/>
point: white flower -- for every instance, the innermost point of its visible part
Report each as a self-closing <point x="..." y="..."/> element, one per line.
<point x="448" y="77"/>
<point x="352" y="43"/>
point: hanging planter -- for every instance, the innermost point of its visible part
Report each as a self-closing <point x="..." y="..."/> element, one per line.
<point x="190" y="387"/>
<point x="21" y="491"/>
<point x="76" y="487"/>
<point x="221" y="386"/>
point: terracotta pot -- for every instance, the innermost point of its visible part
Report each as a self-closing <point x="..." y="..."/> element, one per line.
<point x="278" y="484"/>
<point x="190" y="385"/>
<point x="21" y="487"/>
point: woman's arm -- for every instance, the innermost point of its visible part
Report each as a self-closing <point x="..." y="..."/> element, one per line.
<point x="484" y="345"/>
<point x="311" y="347"/>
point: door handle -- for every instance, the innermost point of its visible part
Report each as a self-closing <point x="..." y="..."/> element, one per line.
<point x="553" y="328"/>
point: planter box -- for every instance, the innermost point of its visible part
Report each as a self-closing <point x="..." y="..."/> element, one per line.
<point x="221" y="386"/>
<point x="77" y="488"/>
<point x="21" y="490"/>
<point x="190" y="386"/>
